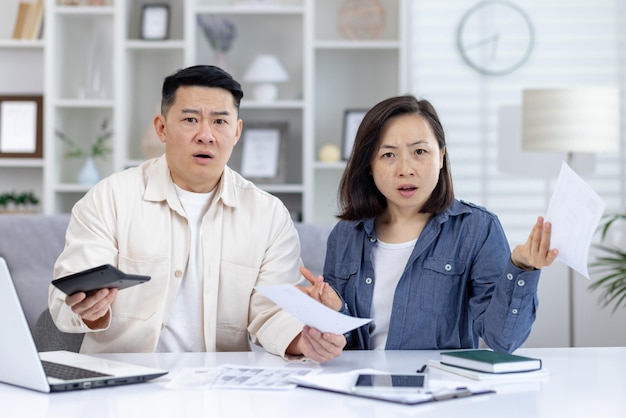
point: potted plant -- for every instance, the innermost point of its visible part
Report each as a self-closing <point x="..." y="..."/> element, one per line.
<point x="89" y="174"/>
<point x="611" y="265"/>
<point x="5" y="200"/>
<point x="12" y="202"/>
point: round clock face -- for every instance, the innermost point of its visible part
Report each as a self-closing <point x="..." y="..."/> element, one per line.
<point x="495" y="37"/>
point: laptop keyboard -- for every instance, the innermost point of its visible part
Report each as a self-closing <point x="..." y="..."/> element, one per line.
<point x="65" y="372"/>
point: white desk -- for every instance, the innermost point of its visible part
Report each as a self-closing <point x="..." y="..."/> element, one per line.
<point x="583" y="382"/>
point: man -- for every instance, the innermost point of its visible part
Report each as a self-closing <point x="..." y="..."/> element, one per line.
<point x="204" y="234"/>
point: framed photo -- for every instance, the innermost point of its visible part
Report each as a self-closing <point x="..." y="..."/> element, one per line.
<point x="261" y="154"/>
<point x="351" y="120"/>
<point x="155" y="21"/>
<point x="21" y="126"/>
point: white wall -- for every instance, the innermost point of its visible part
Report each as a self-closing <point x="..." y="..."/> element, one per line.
<point x="578" y="43"/>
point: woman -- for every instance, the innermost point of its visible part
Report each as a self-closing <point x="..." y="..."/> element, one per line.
<point x="433" y="272"/>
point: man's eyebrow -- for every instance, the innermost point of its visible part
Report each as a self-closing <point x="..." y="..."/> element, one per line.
<point x="220" y="113"/>
<point x="213" y="113"/>
<point x="192" y="111"/>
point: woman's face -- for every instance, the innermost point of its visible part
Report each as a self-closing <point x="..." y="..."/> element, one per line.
<point x="407" y="163"/>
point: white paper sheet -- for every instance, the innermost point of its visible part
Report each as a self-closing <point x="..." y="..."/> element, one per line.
<point x="310" y="311"/>
<point x="18" y="130"/>
<point x="575" y="211"/>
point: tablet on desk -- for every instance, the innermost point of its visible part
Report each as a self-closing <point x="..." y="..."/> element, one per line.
<point x="91" y="280"/>
<point x="390" y="383"/>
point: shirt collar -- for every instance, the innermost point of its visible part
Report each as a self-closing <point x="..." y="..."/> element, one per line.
<point x="160" y="187"/>
<point x="457" y="208"/>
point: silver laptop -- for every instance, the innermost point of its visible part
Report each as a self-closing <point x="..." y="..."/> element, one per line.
<point x="52" y="371"/>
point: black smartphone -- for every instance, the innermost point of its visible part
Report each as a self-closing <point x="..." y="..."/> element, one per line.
<point x="391" y="382"/>
<point x="94" y="279"/>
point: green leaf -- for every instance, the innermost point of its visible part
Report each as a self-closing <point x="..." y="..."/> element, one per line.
<point x="611" y="266"/>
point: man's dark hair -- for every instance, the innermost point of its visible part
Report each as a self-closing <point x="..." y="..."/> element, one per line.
<point x="199" y="75"/>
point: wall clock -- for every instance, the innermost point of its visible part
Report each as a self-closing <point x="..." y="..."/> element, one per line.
<point x="495" y="37"/>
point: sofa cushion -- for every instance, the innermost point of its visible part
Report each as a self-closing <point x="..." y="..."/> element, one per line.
<point x="313" y="245"/>
<point x="30" y="244"/>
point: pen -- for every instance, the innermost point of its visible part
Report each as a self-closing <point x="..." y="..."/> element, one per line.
<point x="422" y="369"/>
<point x="459" y="392"/>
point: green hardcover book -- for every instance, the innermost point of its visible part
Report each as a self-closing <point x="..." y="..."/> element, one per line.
<point x="490" y="361"/>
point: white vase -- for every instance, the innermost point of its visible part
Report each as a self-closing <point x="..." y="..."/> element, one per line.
<point x="89" y="174"/>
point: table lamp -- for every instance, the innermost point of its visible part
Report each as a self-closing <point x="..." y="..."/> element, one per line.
<point x="266" y="71"/>
<point x="571" y="120"/>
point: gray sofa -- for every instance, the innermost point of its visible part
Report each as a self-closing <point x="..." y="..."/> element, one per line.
<point x="30" y="245"/>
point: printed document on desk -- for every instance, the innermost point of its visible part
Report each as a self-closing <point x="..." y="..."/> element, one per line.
<point x="310" y="311"/>
<point x="239" y="377"/>
<point x="575" y="210"/>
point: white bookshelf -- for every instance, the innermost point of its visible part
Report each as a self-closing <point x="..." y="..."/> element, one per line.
<point x="327" y="74"/>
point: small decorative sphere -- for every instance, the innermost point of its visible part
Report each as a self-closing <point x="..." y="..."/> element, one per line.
<point x="330" y="153"/>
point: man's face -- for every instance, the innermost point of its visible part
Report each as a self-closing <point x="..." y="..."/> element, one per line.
<point x="199" y="131"/>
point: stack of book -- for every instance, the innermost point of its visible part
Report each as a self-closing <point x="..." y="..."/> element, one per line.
<point x="29" y="20"/>
<point x="489" y="361"/>
<point x="489" y="365"/>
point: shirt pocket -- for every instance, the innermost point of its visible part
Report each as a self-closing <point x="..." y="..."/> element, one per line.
<point x="440" y="285"/>
<point x="345" y="271"/>
<point x="142" y="301"/>
<point x="235" y="288"/>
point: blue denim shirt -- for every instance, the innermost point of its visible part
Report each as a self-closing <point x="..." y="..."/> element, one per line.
<point x="459" y="284"/>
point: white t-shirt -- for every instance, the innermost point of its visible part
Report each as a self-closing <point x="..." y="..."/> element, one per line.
<point x="389" y="261"/>
<point x="184" y="329"/>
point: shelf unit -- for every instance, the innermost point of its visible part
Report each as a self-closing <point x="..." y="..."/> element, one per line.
<point x="79" y="94"/>
<point x="20" y="174"/>
<point x="96" y="66"/>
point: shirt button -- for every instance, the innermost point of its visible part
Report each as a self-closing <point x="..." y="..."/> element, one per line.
<point x="514" y="311"/>
<point x="521" y="282"/>
<point x="509" y="276"/>
<point x="368" y="280"/>
<point x="448" y="267"/>
<point x="178" y="274"/>
<point x="372" y="239"/>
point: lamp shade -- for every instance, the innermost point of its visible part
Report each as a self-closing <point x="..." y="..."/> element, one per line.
<point x="572" y="120"/>
<point x="266" y="69"/>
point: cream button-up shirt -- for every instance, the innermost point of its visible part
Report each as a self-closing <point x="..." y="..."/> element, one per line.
<point x="134" y="221"/>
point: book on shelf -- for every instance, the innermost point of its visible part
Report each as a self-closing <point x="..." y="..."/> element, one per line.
<point x="490" y="361"/>
<point x="29" y="20"/>
<point x="23" y="9"/>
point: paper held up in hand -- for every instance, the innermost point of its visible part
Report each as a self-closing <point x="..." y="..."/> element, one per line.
<point x="310" y="311"/>
<point x="575" y="210"/>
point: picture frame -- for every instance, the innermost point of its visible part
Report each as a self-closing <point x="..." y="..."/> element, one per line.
<point x="351" y="120"/>
<point x="21" y="126"/>
<point x="261" y="153"/>
<point x="155" y="21"/>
